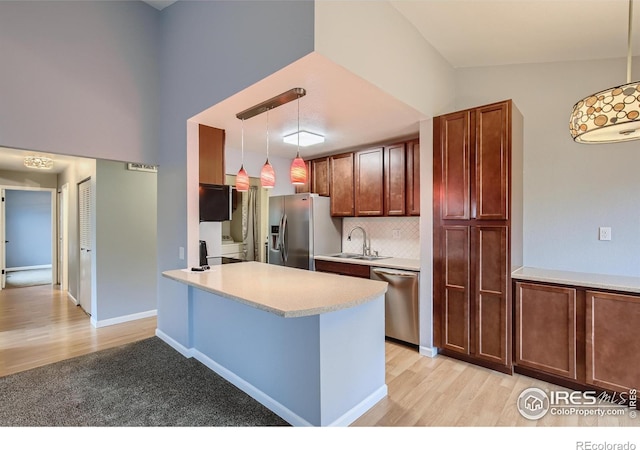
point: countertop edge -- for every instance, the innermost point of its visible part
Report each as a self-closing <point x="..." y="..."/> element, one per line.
<point x="285" y="314"/>
<point x="582" y="279"/>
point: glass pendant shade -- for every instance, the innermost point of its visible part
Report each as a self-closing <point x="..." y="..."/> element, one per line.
<point x="267" y="176"/>
<point x="242" y="180"/>
<point x="298" y="171"/>
<point x="607" y="116"/>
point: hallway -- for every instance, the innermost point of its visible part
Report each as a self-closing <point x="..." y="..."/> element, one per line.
<point x="39" y="325"/>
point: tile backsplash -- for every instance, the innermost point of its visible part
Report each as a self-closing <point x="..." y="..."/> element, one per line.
<point x="398" y="237"/>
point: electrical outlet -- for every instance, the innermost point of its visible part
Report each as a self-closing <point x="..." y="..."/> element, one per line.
<point x="604" y="233"/>
<point x="395" y="233"/>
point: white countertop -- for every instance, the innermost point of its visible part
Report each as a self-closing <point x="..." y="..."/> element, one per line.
<point x="391" y="263"/>
<point x="587" y="280"/>
<point x="283" y="291"/>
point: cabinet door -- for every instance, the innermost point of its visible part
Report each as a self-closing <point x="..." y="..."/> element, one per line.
<point x="492" y="161"/>
<point x="454" y="297"/>
<point x="353" y="270"/>
<point x="413" y="178"/>
<point x="492" y="300"/>
<point x="306" y="187"/>
<point x="341" y="175"/>
<point x="546" y="324"/>
<point x="320" y="171"/>
<point x="211" y="145"/>
<point x="369" y="189"/>
<point x="395" y="170"/>
<point x="612" y="341"/>
<point x="453" y="162"/>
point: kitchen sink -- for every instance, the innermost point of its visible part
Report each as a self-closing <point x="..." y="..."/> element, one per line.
<point x="358" y="256"/>
<point x="370" y="258"/>
<point x="345" y="255"/>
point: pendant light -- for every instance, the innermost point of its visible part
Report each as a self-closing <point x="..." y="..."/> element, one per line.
<point x="267" y="174"/>
<point x="298" y="171"/>
<point x="612" y="115"/>
<point x="242" y="179"/>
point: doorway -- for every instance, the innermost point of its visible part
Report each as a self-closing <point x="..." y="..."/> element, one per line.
<point x="85" y="213"/>
<point x="27" y="237"/>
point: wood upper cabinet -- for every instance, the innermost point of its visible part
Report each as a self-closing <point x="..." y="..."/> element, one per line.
<point x="492" y="162"/>
<point x="369" y="188"/>
<point x="612" y="344"/>
<point x="413" y="178"/>
<point x="211" y="149"/>
<point x="395" y="176"/>
<point x="342" y="184"/>
<point x="320" y="180"/>
<point x="453" y="170"/>
<point x="546" y="328"/>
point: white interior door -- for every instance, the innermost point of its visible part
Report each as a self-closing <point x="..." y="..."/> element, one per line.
<point x="85" y="211"/>
<point x="3" y="244"/>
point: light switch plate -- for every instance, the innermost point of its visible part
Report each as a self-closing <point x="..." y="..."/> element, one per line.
<point x="604" y="233"/>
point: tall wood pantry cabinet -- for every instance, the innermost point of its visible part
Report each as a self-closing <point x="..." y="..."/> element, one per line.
<point x="477" y="231"/>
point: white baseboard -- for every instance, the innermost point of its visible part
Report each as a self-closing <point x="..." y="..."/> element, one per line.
<point x="365" y="405"/>
<point x="123" y="319"/>
<point x="16" y="269"/>
<point x="431" y="352"/>
<point x="72" y="298"/>
<point x="177" y="346"/>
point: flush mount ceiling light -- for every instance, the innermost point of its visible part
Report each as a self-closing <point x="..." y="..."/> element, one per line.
<point x="612" y="115"/>
<point x="306" y="138"/>
<point x="38" y="162"/>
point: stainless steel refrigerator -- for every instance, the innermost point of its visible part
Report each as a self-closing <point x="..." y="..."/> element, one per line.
<point x="300" y="227"/>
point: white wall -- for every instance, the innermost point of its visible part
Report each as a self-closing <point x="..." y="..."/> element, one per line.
<point x="80" y="78"/>
<point x="28" y="179"/>
<point x="570" y="189"/>
<point x="126" y="215"/>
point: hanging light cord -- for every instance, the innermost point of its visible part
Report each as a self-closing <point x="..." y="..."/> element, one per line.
<point x="298" y="155"/>
<point x="242" y="143"/>
<point x="629" y="42"/>
<point x="267" y="135"/>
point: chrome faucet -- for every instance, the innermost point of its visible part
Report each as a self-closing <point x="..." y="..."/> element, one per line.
<point x="365" y="249"/>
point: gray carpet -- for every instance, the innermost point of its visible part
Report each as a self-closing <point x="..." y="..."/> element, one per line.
<point x="145" y="383"/>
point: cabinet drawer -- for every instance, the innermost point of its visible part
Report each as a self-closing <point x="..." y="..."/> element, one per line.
<point x="354" y="270"/>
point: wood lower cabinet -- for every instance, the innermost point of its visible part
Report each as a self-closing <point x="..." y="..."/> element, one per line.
<point x="342" y="184"/>
<point x="546" y="329"/>
<point x="612" y="343"/>
<point x="576" y="337"/>
<point x="369" y="187"/>
<point x="353" y="270"/>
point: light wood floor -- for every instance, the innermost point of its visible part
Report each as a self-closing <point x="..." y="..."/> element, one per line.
<point x="39" y="325"/>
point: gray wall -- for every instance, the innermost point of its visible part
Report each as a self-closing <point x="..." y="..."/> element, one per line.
<point x="28" y="228"/>
<point x="125" y="250"/>
<point x="210" y="50"/>
<point x="570" y="189"/>
<point x="80" y="78"/>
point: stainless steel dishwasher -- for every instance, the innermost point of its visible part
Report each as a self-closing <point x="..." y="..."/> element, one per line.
<point x="401" y="303"/>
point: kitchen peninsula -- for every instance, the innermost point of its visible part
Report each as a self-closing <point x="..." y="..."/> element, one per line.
<point x="308" y="345"/>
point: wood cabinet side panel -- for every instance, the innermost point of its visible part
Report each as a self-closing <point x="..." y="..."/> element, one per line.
<point x="413" y="178"/>
<point x="211" y="154"/>
<point x="395" y="184"/>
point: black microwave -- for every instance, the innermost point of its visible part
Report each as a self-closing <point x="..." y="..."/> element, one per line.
<point x="215" y="202"/>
